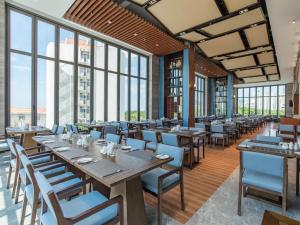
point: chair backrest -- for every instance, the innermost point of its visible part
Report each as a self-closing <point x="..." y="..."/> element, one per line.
<point x="54" y="129"/>
<point x="113" y="138"/>
<point x="169" y="139"/>
<point x="263" y="163"/>
<point x="60" y="130"/>
<point x="287" y="127"/>
<point x="27" y="165"/>
<point x="123" y="125"/>
<point x="48" y="195"/>
<point x="135" y="143"/>
<point x="217" y="128"/>
<point x="200" y="125"/>
<point x="172" y="151"/>
<point x="95" y="135"/>
<point x="159" y="123"/>
<point x="74" y="129"/>
<point x="268" y="138"/>
<point x="69" y="128"/>
<point x="149" y="135"/>
<point x="298" y="128"/>
<point x="110" y="129"/>
<point x="11" y="146"/>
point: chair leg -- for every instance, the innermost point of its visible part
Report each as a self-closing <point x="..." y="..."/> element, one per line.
<point x="33" y="213"/>
<point x="15" y="184"/>
<point x="18" y="190"/>
<point x="203" y="151"/>
<point x="191" y="163"/>
<point x="182" y="196"/>
<point x="297" y="177"/>
<point x="283" y="204"/>
<point x="240" y="199"/>
<point x="9" y="176"/>
<point x="159" y="207"/>
<point x="223" y="142"/>
<point x="23" y="210"/>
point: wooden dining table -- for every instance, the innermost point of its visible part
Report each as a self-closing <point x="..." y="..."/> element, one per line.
<point x="126" y="168"/>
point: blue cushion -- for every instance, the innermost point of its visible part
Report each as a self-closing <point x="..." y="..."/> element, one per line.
<point x="95" y="135"/>
<point x="150" y="179"/>
<point x="149" y="135"/>
<point x="286" y="127"/>
<point x="264" y="181"/>
<point x="135" y="143"/>
<point x="175" y="152"/>
<point x="268" y="138"/>
<point x="4" y="146"/>
<point x="22" y="174"/>
<point x="13" y="163"/>
<point x="287" y="136"/>
<point x="40" y="160"/>
<point x="298" y="128"/>
<point x="151" y="146"/>
<point x="169" y="139"/>
<point x="218" y="135"/>
<point x="113" y="138"/>
<point x="83" y="203"/>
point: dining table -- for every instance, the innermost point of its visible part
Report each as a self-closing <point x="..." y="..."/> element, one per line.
<point x="120" y="174"/>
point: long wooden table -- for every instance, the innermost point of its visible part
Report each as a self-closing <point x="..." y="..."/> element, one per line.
<point x="126" y="183"/>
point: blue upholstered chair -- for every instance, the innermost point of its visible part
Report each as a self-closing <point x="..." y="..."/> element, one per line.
<point x="263" y="172"/>
<point x="74" y="129"/>
<point x="31" y="190"/>
<point x="151" y="139"/>
<point x="287" y="131"/>
<point x="297" y="176"/>
<point x="89" y="209"/>
<point x="200" y="125"/>
<point x="159" y="181"/>
<point x="217" y="132"/>
<point x="110" y="129"/>
<point x="126" y="130"/>
<point x="3" y="146"/>
<point x="159" y="123"/>
<point x="60" y="130"/>
<point x="113" y="138"/>
<point x="54" y="128"/>
<point x="269" y="138"/>
<point x="298" y="129"/>
<point x="172" y="139"/>
<point x="95" y="135"/>
<point x="69" y="128"/>
<point x="136" y="144"/>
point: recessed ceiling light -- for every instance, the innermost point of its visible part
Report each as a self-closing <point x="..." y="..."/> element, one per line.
<point x="135" y="34"/>
<point x="109" y="21"/>
<point x="293" y="22"/>
<point x="156" y="45"/>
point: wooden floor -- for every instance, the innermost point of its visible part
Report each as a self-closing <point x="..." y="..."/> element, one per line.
<point x="203" y="180"/>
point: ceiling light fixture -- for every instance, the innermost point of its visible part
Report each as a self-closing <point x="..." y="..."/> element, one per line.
<point x="135" y="34"/>
<point x="156" y="45"/>
<point x="293" y="22"/>
<point x="109" y="21"/>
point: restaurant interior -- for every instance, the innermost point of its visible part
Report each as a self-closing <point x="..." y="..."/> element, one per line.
<point x="149" y="112"/>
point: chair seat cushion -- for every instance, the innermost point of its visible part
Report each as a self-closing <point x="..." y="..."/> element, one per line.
<point x="4" y="146"/>
<point x="40" y="160"/>
<point x="83" y="203"/>
<point x="29" y="188"/>
<point x="150" y="179"/>
<point x="264" y="181"/>
<point x="52" y="171"/>
<point x="218" y="135"/>
<point x="151" y="146"/>
<point x="287" y="136"/>
<point x="13" y="163"/>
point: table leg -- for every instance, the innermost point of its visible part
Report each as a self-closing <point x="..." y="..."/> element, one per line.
<point x="134" y="206"/>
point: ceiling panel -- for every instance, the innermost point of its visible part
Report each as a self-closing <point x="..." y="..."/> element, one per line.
<point x="271" y="69"/>
<point x="255" y="79"/>
<point x="260" y="49"/>
<point x="266" y="58"/>
<point x="234" y="5"/>
<point x="257" y="36"/>
<point x="221" y="45"/>
<point x="242" y="20"/>
<point x="274" y="77"/>
<point x="179" y="15"/>
<point x="241" y="62"/>
<point x="249" y="73"/>
<point x="193" y="36"/>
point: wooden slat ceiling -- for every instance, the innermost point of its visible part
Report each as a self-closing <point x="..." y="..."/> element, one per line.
<point x="234" y="33"/>
<point x="110" y="18"/>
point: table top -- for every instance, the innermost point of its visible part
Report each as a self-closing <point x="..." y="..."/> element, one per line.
<point x="183" y="133"/>
<point x="267" y="148"/>
<point x="89" y="125"/>
<point x="132" y="164"/>
<point x="32" y="129"/>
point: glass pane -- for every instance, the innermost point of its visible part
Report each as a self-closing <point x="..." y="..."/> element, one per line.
<point x="20" y="95"/>
<point x="134" y="99"/>
<point x="124" y="98"/>
<point x="99" y="54"/>
<point x="112" y="95"/>
<point x="20" y="31"/>
<point x="281" y="105"/>
<point x="273" y="90"/>
<point x="274" y="105"/>
<point x="46" y="39"/>
<point x="66" y="93"/>
<point x="281" y="90"/>
<point x="246" y="106"/>
<point x="124" y="62"/>
<point x="84" y="50"/>
<point x="246" y="92"/>
<point x="252" y="92"/>
<point x="252" y="106"/>
<point x="259" y="106"/>
<point x="112" y="58"/>
<point x="240" y="92"/>
<point x="143" y="99"/>
<point x="240" y="106"/>
<point x="98" y="96"/>
<point x="66" y="45"/>
<point x="143" y="66"/>
<point x="84" y="93"/>
<point x="259" y="91"/>
<point x="267" y="91"/>
<point x="45" y="92"/>
<point x="134" y="64"/>
<point x="266" y="105"/>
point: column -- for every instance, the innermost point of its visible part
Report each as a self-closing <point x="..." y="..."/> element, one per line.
<point x="161" y="86"/>
<point x="212" y="93"/>
<point x="229" y="95"/>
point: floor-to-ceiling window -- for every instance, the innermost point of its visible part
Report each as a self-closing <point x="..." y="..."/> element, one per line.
<point x="266" y="100"/>
<point x="199" y="96"/>
<point x="59" y="75"/>
<point x="221" y="96"/>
